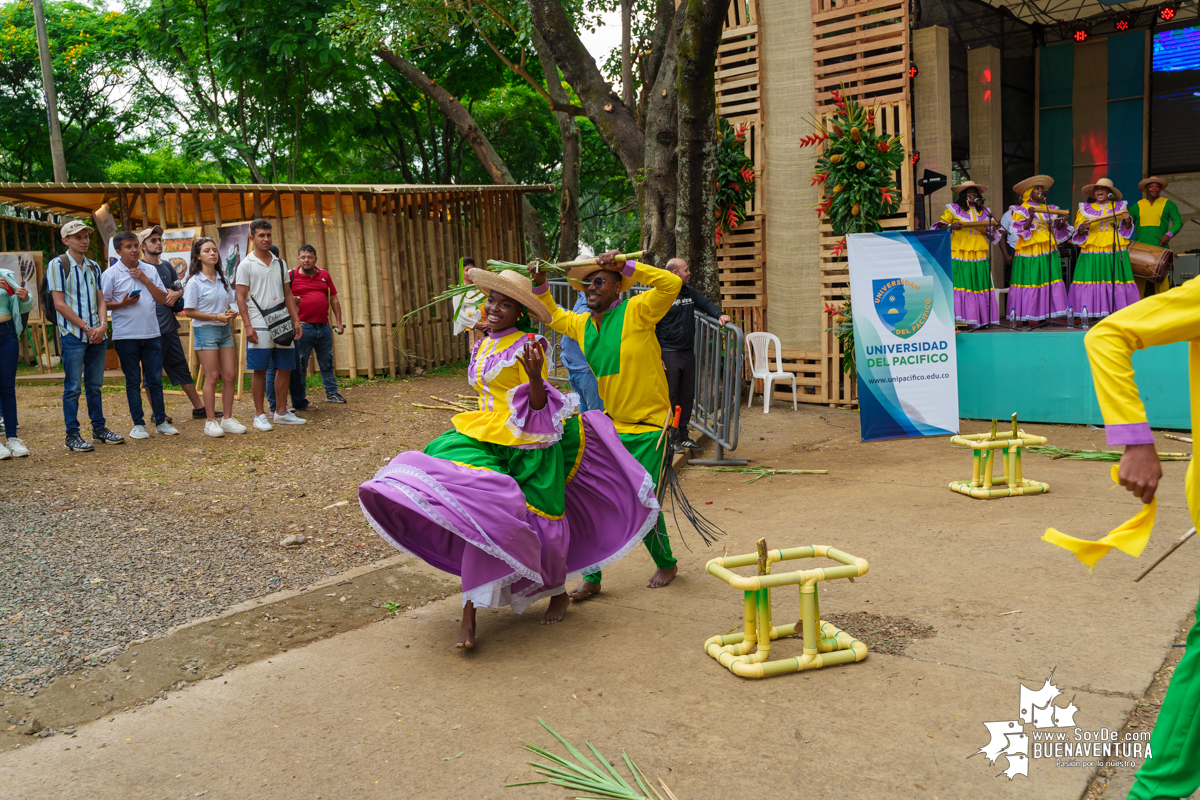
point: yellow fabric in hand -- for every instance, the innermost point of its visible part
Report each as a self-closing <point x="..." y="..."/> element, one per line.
<point x="1130" y="536"/>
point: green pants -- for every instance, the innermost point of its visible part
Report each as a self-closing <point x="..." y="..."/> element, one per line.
<point x="539" y="471"/>
<point x="645" y="448"/>
<point x="1173" y="770"/>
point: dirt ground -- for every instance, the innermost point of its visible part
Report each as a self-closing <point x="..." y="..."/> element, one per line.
<point x="963" y="604"/>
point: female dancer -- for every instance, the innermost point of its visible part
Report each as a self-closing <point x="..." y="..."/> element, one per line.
<point x="974" y="301"/>
<point x="1103" y="280"/>
<point x="520" y="493"/>
<point x="211" y="303"/>
<point x="1036" y="292"/>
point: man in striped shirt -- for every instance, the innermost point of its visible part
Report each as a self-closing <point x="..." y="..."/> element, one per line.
<point x="74" y="283"/>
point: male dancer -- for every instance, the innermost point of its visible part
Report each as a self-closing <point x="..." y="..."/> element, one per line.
<point x="1173" y="771"/>
<point x="1157" y="220"/>
<point x="619" y="342"/>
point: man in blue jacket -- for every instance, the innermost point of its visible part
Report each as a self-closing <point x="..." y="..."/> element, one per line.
<point x="676" y="336"/>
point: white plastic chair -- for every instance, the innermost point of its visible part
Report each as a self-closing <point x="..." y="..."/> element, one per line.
<point x="759" y="344"/>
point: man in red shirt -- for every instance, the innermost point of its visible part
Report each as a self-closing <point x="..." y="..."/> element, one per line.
<point x="315" y="293"/>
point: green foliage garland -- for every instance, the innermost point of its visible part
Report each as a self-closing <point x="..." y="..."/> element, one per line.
<point x="735" y="179"/>
<point x="857" y="170"/>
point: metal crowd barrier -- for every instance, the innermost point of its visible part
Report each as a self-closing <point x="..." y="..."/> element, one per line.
<point x="717" y="412"/>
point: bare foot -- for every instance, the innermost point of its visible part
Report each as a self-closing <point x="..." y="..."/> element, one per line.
<point x="466" y="634"/>
<point x="661" y="578"/>
<point x="584" y="590"/>
<point x="557" y="609"/>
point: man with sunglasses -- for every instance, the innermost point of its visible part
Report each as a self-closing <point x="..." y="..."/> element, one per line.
<point x="618" y="340"/>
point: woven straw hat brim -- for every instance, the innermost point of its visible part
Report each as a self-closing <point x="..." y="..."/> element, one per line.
<point x="576" y="276"/>
<point x="1037" y="180"/>
<point x="969" y="185"/>
<point x="1163" y="182"/>
<point x="488" y="281"/>
<point x="1091" y="187"/>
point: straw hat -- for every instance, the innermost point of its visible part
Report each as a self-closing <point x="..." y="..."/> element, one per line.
<point x="578" y="275"/>
<point x="1104" y="182"/>
<point x="1163" y="182"/>
<point x="1045" y="181"/>
<point x="960" y="188"/>
<point x="512" y="284"/>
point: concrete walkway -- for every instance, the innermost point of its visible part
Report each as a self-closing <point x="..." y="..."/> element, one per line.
<point x="391" y="710"/>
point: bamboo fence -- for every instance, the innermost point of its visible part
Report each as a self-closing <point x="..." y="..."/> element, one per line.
<point x="389" y="248"/>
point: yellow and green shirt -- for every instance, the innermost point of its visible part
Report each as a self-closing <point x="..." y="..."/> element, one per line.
<point x="1173" y="316"/>
<point x="623" y="350"/>
<point x="1155" y="220"/>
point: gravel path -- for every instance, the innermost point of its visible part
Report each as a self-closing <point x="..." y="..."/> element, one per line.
<point x="102" y="549"/>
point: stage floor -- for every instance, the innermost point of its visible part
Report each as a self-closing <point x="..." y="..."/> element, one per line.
<point x="1044" y="376"/>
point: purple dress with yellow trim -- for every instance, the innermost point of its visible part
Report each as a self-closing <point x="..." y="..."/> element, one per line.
<point x="514" y="499"/>
<point x="1103" y="280"/>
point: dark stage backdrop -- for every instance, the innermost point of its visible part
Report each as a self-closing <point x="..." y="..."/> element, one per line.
<point x="1175" y="101"/>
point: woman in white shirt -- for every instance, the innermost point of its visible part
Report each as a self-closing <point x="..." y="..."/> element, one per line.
<point x="209" y="300"/>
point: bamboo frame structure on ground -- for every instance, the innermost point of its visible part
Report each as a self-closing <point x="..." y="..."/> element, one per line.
<point x="982" y="485"/>
<point x="746" y="654"/>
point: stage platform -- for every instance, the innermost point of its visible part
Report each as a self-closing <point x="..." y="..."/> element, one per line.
<point x="1044" y="376"/>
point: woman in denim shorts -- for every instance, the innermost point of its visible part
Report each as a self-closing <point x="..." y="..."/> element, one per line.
<point x="209" y="300"/>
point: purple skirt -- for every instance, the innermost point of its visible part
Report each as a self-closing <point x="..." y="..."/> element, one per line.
<point x="475" y="522"/>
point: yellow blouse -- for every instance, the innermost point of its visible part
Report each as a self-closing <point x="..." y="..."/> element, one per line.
<point x="967" y="244"/>
<point x="499" y="377"/>
<point x="1103" y="237"/>
<point x="1037" y="234"/>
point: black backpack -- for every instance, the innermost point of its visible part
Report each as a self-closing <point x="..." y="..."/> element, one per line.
<point x="48" y="296"/>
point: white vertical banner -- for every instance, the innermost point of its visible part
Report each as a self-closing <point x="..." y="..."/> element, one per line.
<point x="902" y="300"/>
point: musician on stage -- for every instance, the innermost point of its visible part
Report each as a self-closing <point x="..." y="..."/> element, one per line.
<point x="1036" y="292"/>
<point x="1156" y="221"/>
<point x="1103" y="280"/>
<point x="970" y="245"/>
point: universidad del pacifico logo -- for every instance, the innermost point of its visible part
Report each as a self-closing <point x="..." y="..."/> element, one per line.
<point x="903" y="305"/>
<point x="1045" y="731"/>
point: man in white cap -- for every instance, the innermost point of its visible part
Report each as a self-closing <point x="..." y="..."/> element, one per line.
<point x="74" y="283"/>
<point x="174" y="360"/>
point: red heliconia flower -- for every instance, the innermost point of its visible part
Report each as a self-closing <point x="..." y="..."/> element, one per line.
<point x="839" y="248"/>
<point x="886" y="194"/>
<point x="870" y="117"/>
<point x="735" y="187"/>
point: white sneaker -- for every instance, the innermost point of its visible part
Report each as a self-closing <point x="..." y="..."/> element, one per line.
<point x="231" y="425"/>
<point x="213" y="429"/>
<point x="5" y="453"/>
<point x="288" y="418"/>
<point x="17" y="448"/>
<point x="165" y="429"/>
<point x="261" y="423"/>
<point x="139" y="432"/>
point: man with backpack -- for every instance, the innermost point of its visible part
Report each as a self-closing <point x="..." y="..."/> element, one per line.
<point x="268" y="312"/>
<point x="73" y="281"/>
<point x="174" y="360"/>
<point x="315" y="293"/>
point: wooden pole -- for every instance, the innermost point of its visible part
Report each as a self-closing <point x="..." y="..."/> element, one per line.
<point x="258" y="211"/>
<point x="197" y="213"/>
<point x="339" y="219"/>
<point x="28" y="243"/>
<point x="298" y="215"/>
<point x="438" y="252"/>
<point x="421" y="268"/>
<point x="162" y="207"/>
<point x="385" y="282"/>
<point x="179" y="223"/>
<point x="145" y="210"/>
<point x="123" y="209"/>
<point x="283" y="248"/>
<point x="319" y="228"/>
<point x="400" y="284"/>
<point x="216" y="208"/>
<point x="363" y="273"/>
<point x="408" y="258"/>
<point x="3" y="236"/>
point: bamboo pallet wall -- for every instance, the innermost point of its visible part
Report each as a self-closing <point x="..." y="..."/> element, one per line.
<point x="863" y="48"/>
<point x="739" y="101"/>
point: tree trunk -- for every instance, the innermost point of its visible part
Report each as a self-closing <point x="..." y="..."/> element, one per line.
<point x="614" y="121"/>
<point x="469" y="130"/>
<point x="568" y="219"/>
<point x="695" y="85"/>
<point x="658" y="191"/>
<point x="626" y="52"/>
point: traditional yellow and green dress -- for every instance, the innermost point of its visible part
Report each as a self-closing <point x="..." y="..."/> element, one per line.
<point x="1152" y="221"/>
<point x="975" y="302"/>
<point x="1103" y="280"/>
<point x="1036" y="291"/>
<point x="514" y="499"/>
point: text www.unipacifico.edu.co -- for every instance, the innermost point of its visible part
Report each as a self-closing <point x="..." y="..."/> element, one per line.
<point x="933" y="376"/>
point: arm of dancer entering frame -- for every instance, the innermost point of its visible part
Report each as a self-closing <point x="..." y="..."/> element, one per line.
<point x="1172" y="316"/>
